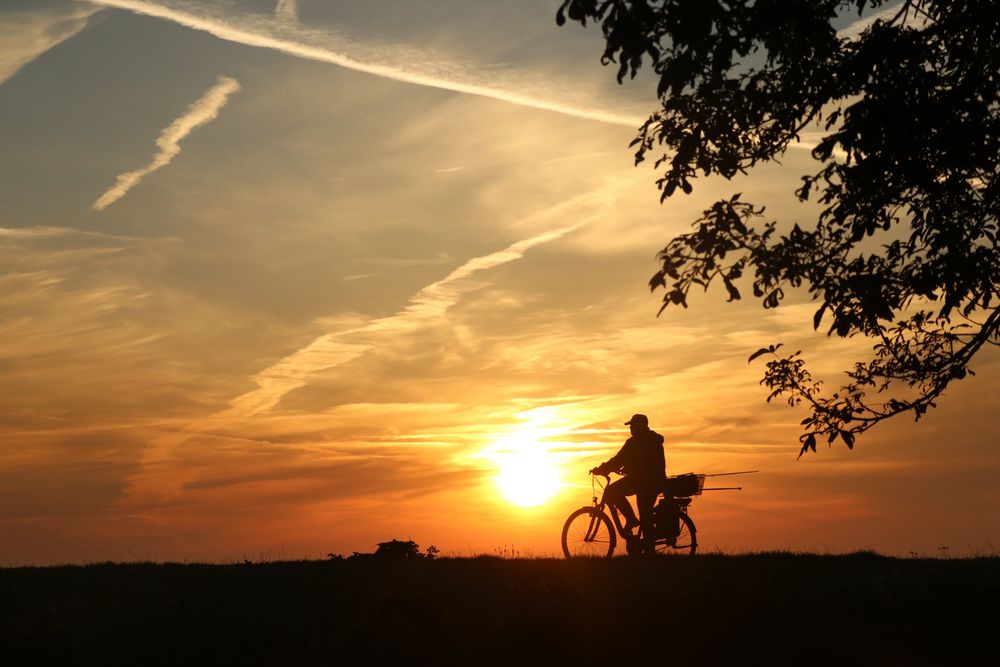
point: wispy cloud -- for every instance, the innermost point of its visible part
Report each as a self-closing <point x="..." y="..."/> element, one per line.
<point x="46" y="232"/>
<point x="429" y="305"/>
<point x="396" y="63"/>
<point x="203" y="111"/>
<point x="854" y="30"/>
<point x="26" y="34"/>
<point x="336" y="349"/>
<point x="34" y="232"/>
<point x="287" y="10"/>
<point x="283" y="33"/>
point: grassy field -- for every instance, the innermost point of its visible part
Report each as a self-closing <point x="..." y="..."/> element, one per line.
<point x="758" y="609"/>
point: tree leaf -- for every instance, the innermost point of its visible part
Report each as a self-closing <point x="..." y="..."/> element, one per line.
<point x="808" y="443"/>
<point x="818" y="317"/>
<point x="848" y="438"/>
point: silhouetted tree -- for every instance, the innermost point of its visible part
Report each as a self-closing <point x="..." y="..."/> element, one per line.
<point x="397" y="549"/>
<point x="904" y="250"/>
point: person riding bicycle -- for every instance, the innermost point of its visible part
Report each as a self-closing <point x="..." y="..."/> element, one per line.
<point x="643" y="465"/>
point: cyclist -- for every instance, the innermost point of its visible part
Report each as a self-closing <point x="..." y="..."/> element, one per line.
<point x="642" y="463"/>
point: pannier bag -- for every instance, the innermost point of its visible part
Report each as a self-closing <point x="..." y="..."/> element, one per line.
<point x="667" y="518"/>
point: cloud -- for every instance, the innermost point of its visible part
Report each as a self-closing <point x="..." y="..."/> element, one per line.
<point x="854" y="30"/>
<point x="201" y="112"/>
<point x="396" y="62"/>
<point x="333" y="350"/>
<point x="41" y="232"/>
<point x="281" y="32"/>
<point x="27" y="34"/>
<point x="287" y="10"/>
<point x="47" y="232"/>
<point x="427" y="306"/>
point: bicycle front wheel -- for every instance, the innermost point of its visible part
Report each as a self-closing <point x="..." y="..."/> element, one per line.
<point x="588" y="533"/>
<point x="686" y="542"/>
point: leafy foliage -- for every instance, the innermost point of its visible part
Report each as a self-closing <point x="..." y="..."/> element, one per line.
<point x="399" y="550"/>
<point x="904" y="251"/>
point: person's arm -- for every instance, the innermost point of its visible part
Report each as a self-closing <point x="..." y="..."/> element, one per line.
<point x="614" y="464"/>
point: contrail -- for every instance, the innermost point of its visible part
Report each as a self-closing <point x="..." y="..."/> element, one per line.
<point x="431" y="302"/>
<point x="203" y="111"/>
<point x="269" y="35"/>
<point x="275" y="34"/>
<point x="287" y="10"/>
<point x="335" y="349"/>
<point x="27" y="34"/>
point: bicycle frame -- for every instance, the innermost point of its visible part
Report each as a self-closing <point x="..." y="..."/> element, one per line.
<point x="593" y="530"/>
<point x="604" y="507"/>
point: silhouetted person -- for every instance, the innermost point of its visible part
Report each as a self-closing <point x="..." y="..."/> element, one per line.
<point x="642" y="463"/>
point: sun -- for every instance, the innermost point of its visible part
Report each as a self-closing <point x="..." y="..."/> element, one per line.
<point x="527" y="458"/>
<point x="527" y="474"/>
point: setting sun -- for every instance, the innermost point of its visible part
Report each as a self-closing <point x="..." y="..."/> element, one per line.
<point x="527" y="478"/>
<point x="527" y="473"/>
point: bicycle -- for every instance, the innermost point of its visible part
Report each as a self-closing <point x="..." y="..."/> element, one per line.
<point x="591" y="532"/>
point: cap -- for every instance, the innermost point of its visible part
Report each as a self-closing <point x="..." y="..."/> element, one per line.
<point x="638" y="419"/>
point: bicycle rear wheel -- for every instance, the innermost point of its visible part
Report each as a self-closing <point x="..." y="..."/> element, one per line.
<point x="686" y="542"/>
<point x="588" y="533"/>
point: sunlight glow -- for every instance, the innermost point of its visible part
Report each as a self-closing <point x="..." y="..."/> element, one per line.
<point x="528" y="472"/>
<point x="528" y="477"/>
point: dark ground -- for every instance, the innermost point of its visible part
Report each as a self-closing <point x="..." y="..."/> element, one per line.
<point x="708" y="610"/>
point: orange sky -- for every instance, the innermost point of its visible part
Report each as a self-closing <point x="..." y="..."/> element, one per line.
<point x="284" y="283"/>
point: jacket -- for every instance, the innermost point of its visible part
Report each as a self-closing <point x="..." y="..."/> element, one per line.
<point x="640" y="457"/>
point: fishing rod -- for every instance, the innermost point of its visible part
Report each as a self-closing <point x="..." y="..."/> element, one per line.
<point x="728" y="488"/>
<point x="691" y="484"/>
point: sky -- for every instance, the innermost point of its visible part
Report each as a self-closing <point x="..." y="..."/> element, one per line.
<point x="284" y="279"/>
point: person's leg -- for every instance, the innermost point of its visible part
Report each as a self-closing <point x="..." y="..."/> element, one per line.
<point x="645" y="499"/>
<point x="616" y="495"/>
